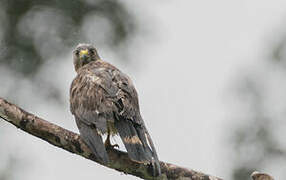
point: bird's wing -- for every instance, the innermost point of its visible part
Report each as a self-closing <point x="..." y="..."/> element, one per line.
<point x="93" y="139"/>
<point x="130" y="124"/>
<point x="103" y="93"/>
<point x="90" y="104"/>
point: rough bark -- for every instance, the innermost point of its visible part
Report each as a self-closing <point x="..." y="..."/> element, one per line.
<point x="72" y="142"/>
<point x="261" y="176"/>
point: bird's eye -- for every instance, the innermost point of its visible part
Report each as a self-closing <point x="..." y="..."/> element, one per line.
<point x="91" y="52"/>
<point x="77" y="52"/>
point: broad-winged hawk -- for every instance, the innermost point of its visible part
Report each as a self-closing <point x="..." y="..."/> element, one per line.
<point x="104" y="101"/>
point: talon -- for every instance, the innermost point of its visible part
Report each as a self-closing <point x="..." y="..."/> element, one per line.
<point x="108" y="145"/>
<point x="115" y="146"/>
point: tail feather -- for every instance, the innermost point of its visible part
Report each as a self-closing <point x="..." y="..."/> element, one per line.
<point x="141" y="134"/>
<point x="94" y="142"/>
<point x="155" y="162"/>
<point x="131" y="141"/>
<point x="136" y="140"/>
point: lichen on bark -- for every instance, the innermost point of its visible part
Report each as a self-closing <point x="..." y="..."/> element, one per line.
<point x="72" y="142"/>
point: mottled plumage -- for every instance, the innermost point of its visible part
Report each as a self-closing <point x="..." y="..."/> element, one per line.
<point x="104" y="101"/>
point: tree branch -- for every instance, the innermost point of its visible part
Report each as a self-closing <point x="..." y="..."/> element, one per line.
<point x="72" y="142"/>
<point x="261" y="176"/>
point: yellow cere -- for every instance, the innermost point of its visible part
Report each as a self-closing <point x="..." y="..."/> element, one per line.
<point x="83" y="52"/>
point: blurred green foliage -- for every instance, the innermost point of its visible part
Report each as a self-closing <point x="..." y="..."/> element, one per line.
<point x="256" y="144"/>
<point x="19" y="49"/>
<point x="33" y="31"/>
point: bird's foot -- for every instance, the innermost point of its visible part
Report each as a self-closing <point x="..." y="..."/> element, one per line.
<point x="108" y="145"/>
<point x="113" y="146"/>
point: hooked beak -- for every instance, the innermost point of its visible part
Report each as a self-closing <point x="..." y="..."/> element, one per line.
<point x="83" y="54"/>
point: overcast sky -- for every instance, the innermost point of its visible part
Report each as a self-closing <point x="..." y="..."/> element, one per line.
<point x="188" y="59"/>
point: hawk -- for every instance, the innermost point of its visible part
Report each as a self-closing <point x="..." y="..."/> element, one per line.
<point x="103" y="100"/>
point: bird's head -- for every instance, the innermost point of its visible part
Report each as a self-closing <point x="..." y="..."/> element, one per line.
<point x="84" y="54"/>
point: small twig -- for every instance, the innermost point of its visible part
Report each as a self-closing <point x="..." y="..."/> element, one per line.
<point x="261" y="176"/>
<point x="72" y="142"/>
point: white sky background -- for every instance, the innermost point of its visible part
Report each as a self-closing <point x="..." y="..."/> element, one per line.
<point x="193" y="52"/>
